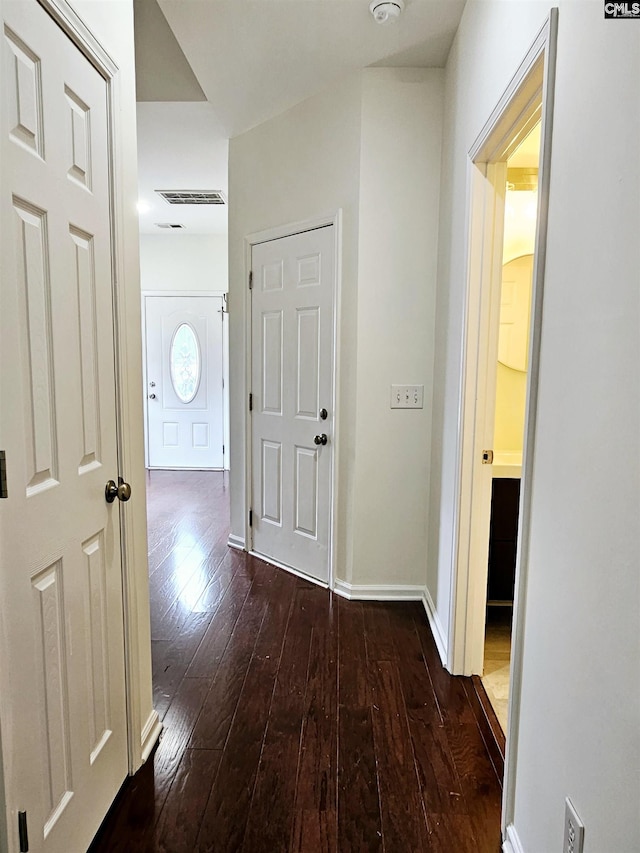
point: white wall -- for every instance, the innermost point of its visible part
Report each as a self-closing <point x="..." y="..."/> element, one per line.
<point x="579" y="732"/>
<point x="370" y="146"/>
<point x="184" y="262"/>
<point x="398" y="238"/>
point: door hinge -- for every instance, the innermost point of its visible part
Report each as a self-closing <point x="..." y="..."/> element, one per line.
<point x="250" y="518"/>
<point x="223" y="449"/>
<point x="250" y="402"/>
<point x="250" y="279"/>
<point x="3" y="475"/>
<point x="22" y="832"/>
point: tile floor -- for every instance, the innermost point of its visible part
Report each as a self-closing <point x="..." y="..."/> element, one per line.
<point x="497" y="652"/>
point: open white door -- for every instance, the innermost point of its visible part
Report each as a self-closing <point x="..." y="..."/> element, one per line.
<point x="62" y="681"/>
<point x="292" y="399"/>
<point x="184" y="367"/>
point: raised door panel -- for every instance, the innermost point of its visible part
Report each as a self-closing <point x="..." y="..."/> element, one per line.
<point x="307" y="362"/>
<point x="24" y="104"/>
<point x="99" y="709"/>
<point x="88" y="338"/>
<point x="50" y="619"/>
<point x="79" y="150"/>
<point x="305" y="497"/>
<point x="272" y="362"/>
<point x="34" y="289"/>
<point x="271" y="478"/>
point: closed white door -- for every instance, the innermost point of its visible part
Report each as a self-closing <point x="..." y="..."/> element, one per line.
<point x="292" y="399"/>
<point x="62" y="682"/>
<point x="185" y="423"/>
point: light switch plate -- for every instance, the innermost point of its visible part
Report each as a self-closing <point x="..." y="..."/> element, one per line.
<point x="407" y="396"/>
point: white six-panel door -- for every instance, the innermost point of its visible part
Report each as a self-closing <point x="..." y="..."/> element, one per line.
<point x="184" y="369"/>
<point x="292" y="399"/>
<point x="62" y="683"/>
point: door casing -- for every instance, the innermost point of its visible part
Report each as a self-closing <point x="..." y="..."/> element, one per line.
<point x="527" y="99"/>
<point x="251" y="240"/>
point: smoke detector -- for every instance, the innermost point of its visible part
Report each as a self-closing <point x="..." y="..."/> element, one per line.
<point x="386" y="11"/>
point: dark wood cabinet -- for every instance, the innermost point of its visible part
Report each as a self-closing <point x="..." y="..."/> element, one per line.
<point x="505" y="500"/>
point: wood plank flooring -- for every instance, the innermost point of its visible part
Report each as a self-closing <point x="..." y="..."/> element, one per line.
<point x="293" y="720"/>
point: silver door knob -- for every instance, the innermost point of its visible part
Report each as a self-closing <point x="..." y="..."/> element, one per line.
<point x="152" y="396"/>
<point x="122" y="491"/>
<point x="320" y="439"/>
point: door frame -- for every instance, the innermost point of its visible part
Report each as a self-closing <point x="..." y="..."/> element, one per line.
<point x="142" y="734"/>
<point x="506" y="127"/>
<point x="251" y="240"/>
<point x="219" y="294"/>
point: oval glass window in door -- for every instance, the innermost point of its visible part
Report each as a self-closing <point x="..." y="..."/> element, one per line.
<point x="185" y="363"/>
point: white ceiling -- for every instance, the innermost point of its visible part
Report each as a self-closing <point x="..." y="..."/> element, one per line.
<point x="181" y="147"/>
<point x="254" y="59"/>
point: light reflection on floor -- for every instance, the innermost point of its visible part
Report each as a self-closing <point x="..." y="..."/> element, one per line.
<point x="189" y="576"/>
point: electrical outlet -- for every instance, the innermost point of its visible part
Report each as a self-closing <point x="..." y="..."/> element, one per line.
<point x="407" y="396"/>
<point x="573" y="829"/>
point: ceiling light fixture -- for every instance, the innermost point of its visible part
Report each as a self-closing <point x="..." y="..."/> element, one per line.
<point x="386" y="11"/>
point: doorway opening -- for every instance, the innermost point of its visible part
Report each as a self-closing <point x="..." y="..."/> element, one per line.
<point x="514" y="326"/>
<point x="524" y="111"/>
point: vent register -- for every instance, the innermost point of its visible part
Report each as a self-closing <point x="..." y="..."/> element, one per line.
<point x="188" y="197"/>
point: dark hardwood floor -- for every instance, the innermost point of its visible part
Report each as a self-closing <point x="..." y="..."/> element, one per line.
<point x="294" y="720"/>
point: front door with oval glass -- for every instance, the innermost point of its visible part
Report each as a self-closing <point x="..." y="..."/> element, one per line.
<point x="184" y="382"/>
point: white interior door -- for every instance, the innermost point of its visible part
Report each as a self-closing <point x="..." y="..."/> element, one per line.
<point x="292" y="399"/>
<point x="185" y="411"/>
<point x="62" y="682"/>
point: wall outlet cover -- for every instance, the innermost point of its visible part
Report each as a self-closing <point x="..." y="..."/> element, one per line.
<point x="573" y="829"/>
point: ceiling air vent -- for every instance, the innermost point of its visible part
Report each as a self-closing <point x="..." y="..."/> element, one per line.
<point x="192" y="196"/>
<point x="172" y="225"/>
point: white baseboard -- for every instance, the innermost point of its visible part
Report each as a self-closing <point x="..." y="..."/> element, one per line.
<point x="236" y="542"/>
<point x="512" y="844"/>
<point x="150" y="734"/>
<point x="436" y="626"/>
<point x="382" y="592"/>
